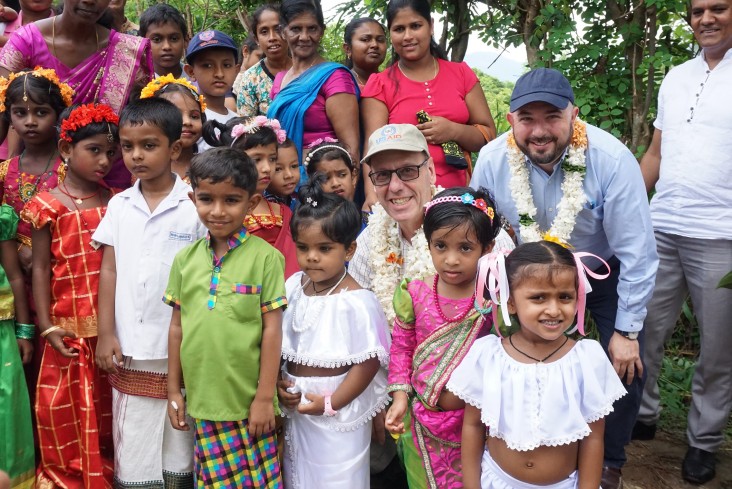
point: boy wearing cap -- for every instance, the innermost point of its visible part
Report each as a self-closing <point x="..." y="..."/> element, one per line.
<point x="531" y="171"/>
<point x="213" y="62"/>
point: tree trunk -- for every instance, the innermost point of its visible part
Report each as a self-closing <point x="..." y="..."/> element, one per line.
<point x="459" y="43"/>
<point x="528" y="10"/>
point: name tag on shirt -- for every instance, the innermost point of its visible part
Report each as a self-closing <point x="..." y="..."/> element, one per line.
<point x="176" y="236"/>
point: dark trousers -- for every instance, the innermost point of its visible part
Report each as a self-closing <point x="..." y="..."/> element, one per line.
<point x="602" y="303"/>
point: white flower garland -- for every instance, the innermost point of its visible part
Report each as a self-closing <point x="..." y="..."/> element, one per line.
<point x="573" y="195"/>
<point x="388" y="264"/>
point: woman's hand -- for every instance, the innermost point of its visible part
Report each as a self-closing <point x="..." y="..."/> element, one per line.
<point x="56" y="340"/>
<point x="395" y="415"/>
<point x="439" y="130"/>
<point x="25" y="348"/>
<point x="177" y="411"/>
<point x="288" y="399"/>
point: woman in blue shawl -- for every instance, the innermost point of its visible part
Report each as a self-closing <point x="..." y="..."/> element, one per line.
<point x="314" y="99"/>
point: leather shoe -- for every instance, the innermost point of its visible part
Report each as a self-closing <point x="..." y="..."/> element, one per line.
<point x="698" y="466"/>
<point x="642" y="431"/>
<point x="612" y="478"/>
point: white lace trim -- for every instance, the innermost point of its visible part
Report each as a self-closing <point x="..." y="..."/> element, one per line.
<point x="303" y="359"/>
<point x="363" y="419"/>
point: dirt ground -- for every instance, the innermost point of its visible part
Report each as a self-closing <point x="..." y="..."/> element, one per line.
<point x="656" y="464"/>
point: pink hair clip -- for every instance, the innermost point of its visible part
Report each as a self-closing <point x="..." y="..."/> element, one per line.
<point x="466" y="199"/>
<point x="253" y="126"/>
<point x="326" y="139"/>
<point x="325" y="147"/>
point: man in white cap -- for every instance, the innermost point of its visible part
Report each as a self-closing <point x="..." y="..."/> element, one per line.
<point x="556" y="177"/>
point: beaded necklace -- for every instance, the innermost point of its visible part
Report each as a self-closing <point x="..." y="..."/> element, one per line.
<point x="457" y="318"/>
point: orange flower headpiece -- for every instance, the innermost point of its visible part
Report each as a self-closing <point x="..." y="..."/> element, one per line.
<point x="159" y="84"/>
<point x="87" y="114"/>
<point x="67" y="93"/>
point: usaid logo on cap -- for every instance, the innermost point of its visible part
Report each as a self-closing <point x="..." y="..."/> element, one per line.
<point x="206" y="35"/>
<point x="388" y="133"/>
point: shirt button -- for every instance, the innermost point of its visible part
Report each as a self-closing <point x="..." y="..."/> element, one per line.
<point x="427" y="89"/>
<point x="426" y="83"/>
<point x="551" y="209"/>
<point x="430" y="103"/>
<point x="429" y="96"/>
<point x="217" y="269"/>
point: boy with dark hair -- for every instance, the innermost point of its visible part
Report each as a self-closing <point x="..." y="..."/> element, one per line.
<point x="213" y="62"/>
<point x="166" y="28"/>
<point x="143" y="229"/>
<point x="227" y="293"/>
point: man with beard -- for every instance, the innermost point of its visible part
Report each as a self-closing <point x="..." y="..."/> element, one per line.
<point x="555" y="177"/>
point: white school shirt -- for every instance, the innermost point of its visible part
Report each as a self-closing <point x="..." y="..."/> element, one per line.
<point x="144" y="247"/>
<point x="693" y="193"/>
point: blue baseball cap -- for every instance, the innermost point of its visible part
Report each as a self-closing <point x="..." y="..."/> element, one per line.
<point x="542" y="85"/>
<point x="211" y="39"/>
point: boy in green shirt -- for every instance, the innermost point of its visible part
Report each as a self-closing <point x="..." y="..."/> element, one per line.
<point x="227" y="291"/>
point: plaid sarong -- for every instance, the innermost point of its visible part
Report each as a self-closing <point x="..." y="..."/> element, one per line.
<point x="227" y="456"/>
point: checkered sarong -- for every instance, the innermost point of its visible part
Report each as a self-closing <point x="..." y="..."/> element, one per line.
<point x="227" y="456"/>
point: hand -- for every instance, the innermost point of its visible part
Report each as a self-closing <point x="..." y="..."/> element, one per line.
<point x="25" y="255"/>
<point x="109" y="353"/>
<point x="396" y="412"/>
<point x="439" y="130"/>
<point x="378" y="432"/>
<point x="261" y="416"/>
<point x="177" y="411"/>
<point x="25" y="348"/>
<point x="56" y="340"/>
<point x="625" y="356"/>
<point x="316" y="406"/>
<point x="287" y="399"/>
<point x="370" y="201"/>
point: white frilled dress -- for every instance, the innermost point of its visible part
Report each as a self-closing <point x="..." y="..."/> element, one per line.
<point x="332" y="331"/>
<point x="537" y="404"/>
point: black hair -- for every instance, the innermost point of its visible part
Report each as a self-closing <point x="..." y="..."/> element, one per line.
<point x="350" y="31"/>
<point x="339" y="219"/>
<point x="224" y="164"/>
<point x="540" y="259"/>
<point x="162" y="13"/>
<point x="250" y="43"/>
<point x="287" y="143"/>
<point x="257" y="14"/>
<point x="422" y="8"/>
<point x="454" y="214"/>
<point x="156" y="112"/>
<point x="90" y="130"/>
<point x="13" y="4"/>
<point x="39" y="89"/>
<point x="291" y="9"/>
<point x="171" y="88"/>
<point x="264" y="136"/>
<point x="328" y="152"/>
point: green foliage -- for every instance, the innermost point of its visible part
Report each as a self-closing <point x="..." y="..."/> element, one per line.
<point x="674" y="383"/>
<point x="726" y="281"/>
<point x="498" y="95"/>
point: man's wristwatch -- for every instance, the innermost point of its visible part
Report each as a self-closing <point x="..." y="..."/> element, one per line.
<point x="631" y="335"/>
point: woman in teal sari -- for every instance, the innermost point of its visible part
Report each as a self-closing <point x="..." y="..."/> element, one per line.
<point x="314" y="99"/>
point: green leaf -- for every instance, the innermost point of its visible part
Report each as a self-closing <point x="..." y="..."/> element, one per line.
<point x="586" y="109"/>
<point x="726" y="281"/>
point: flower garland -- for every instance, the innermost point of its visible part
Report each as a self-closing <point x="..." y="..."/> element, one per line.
<point x="67" y="93"/>
<point x="158" y="84"/>
<point x="573" y="195"/>
<point x="388" y="263"/>
<point x="84" y="115"/>
<point x="253" y="126"/>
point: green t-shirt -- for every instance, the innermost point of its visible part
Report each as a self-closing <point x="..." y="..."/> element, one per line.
<point x="8" y="228"/>
<point x="221" y="305"/>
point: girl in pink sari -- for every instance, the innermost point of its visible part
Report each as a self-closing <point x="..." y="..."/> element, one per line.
<point x="100" y="65"/>
<point x="436" y="323"/>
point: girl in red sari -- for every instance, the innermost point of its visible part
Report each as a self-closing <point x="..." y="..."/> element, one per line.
<point x="73" y="400"/>
<point x="258" y="138"/>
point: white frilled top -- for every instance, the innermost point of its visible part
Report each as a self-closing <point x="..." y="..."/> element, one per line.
<point x="537" y="404"/>
<point x="332" y="331"/>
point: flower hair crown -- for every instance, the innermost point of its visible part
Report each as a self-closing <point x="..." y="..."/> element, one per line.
<point x="160" y="84"/>
<point x="325" y="147"/>
<point x="87" y="114"/>
<point x="254" y="124"/>
<point x="67" y="93"/>
<point x="466" y="199"/>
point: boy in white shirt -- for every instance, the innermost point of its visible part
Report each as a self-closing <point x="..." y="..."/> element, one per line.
<point x="143" y="229"/>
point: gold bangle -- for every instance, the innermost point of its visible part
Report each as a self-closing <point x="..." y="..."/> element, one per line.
<point x="48" y="331"/>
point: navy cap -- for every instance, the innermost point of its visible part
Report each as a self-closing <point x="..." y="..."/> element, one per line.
<point x="211" y="39"/>
<point x="542" y="85"/>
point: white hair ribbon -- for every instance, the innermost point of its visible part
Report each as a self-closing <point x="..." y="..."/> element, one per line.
<point x="492" y="269"/>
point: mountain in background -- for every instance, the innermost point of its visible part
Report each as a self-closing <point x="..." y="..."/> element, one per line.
<point x="504" y="68"/>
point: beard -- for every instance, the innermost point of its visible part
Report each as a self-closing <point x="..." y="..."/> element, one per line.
<point x="551" y="153"/>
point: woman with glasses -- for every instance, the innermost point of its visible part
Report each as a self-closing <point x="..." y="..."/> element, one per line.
<point x="314" y="99"/>
<point x="447" y="96"/>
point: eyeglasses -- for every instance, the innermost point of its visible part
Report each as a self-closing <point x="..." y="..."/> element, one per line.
<point x="405" y="174"/>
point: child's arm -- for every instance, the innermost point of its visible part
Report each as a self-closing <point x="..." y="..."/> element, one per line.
<point x="473" y="445"/>
<point x="357" y="380"/>
<point x="11" y="265"/>
<point x="261" y="412"/>
<point x="109" y="353"/>
<point x="590" y="458"/>
<point x="404" y="341"/>
<point x="176" y="403"/>
<point x="42" y="292"/>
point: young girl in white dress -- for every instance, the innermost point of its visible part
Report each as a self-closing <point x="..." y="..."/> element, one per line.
<point x="541" y="395"/>
<point x="335" y="345"/>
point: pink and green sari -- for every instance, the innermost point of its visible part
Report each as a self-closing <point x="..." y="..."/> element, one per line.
<point x="425" y="350"/>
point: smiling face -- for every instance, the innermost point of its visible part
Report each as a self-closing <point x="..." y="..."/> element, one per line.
<point x="455" y="253"/>
<point x="711" y="21"/>
<point x="303" y="35"/>
<point x="34" y="123"/>
<point x="411" y="34"/>
<point x="167" y="44"/>
<point x="269" y="36"/>
<point x="264" y="158"/>
<point x="543" y="131"/>
<point x="545" y="302"/>
<point x="368" y="46"/>
<point x="319" y="257"/>
<point x="191" y="112"/>
<point x="222" y="207"/>
<point x="286" y="173"/>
